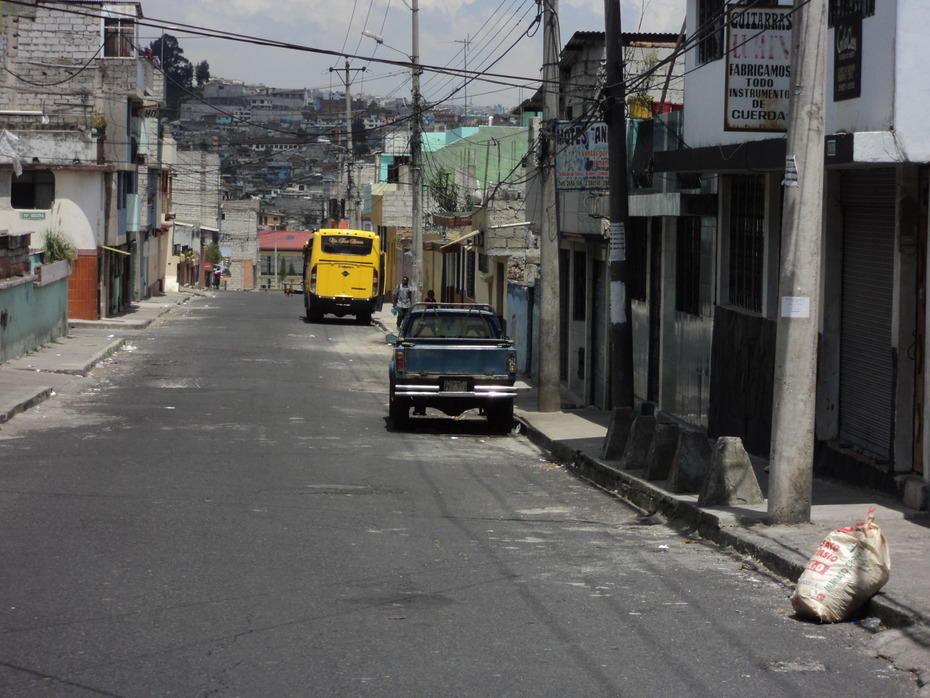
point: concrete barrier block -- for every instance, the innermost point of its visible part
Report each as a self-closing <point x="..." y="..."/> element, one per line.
<point x="662" y="451"/>
<point x="691" y="461"/>
<point x="617" y="433"/>
<point x="637" y="446"/>
<point x="730" y="481"/>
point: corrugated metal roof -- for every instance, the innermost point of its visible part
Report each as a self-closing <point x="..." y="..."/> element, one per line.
<point x="285" y="239"/>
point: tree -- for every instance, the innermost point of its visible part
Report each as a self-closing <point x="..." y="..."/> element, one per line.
<point x="179" y="73"/>
<point x="444" y="190"/>
<point x="212" y="253"/>
<point x="202" y="73"/>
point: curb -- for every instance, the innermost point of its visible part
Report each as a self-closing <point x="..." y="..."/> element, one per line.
<point x="41" y="396"/>
<point x="104" y="353"/>
<point x="654" y="500"/>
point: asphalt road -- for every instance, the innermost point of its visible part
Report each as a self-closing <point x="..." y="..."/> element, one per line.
<point x="222" y="510"/>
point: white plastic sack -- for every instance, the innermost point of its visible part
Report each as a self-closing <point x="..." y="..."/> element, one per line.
<point x="850" y="566"/>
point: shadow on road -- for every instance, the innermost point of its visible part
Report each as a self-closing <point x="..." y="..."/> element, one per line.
<point x="469" y="424"/>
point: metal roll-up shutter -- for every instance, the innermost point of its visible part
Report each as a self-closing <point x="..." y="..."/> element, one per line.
<point x="867" y="372"/>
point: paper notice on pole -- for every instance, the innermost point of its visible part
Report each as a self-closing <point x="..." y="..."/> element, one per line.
<point x="791" y="172"/>
<point x="617" y="242"/>
<point x="796" y="306"/>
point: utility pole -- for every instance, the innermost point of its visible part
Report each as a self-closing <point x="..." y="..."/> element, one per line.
<point x="416" y="170"/>
<point x="621" y="322"/>
<point x="350" y="154"/>
<point x="793" y="407"/>
<point x="549" y="398"/>
<point x="465" y="42"/>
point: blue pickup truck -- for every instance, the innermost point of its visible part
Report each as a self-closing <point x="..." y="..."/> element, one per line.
<point x="452" y="357"/>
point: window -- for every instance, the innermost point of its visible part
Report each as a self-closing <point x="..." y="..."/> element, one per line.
<point x="688" y="266"/>
<point x="578" y="285"/>
<point x="710" y="30"/>
<point x="747" y="241"/>
<point x="847" y="8"/>
<point x="636" y="259"/>
<point x="118" y="37"/>
<point x="33" y="189"/>
<point x="346" y="244"/>
<point x="267" y="264"/>
<point x="432" y="324"/>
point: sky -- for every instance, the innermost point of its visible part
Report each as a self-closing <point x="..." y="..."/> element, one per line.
<point x="491" y="26"/>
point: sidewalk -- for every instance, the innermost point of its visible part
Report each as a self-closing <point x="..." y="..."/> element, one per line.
<point x="30" y="379"/>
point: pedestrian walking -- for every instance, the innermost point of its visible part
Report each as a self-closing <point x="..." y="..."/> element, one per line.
<point x="402" y="299"/>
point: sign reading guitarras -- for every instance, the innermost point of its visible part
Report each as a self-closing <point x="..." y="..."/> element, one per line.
<point x="758" y="73"/>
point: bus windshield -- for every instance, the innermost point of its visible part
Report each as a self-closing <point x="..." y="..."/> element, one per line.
<point x="346" y="244"/>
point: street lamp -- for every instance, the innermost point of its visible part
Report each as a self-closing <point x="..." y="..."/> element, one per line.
<point x="415" y="144"/>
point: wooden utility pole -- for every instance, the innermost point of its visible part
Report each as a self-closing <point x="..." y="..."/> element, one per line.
<point x="621" y="321"/>
<point x="549" y="399"/>
<point x="793" y="408"/>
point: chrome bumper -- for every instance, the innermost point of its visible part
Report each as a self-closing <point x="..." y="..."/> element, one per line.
<point x="479" y="391"/>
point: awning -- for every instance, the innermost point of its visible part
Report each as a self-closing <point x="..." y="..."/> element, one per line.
<point x="465" y="237"/>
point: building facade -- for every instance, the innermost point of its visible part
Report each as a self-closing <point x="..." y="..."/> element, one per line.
<point x="80" y="111"/>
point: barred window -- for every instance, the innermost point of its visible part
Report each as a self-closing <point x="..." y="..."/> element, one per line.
<point x="849" y="8"/>
<point x="710" y="30"/>
<point x="688" y="265"/>
<point x="747" y="241"/>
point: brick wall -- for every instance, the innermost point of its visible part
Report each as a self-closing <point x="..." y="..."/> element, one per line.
<point x="14" y="255"/>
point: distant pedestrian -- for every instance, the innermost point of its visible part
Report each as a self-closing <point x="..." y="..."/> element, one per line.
<point x="430" y="299"/>
<point x="217" y="273"/>
<point x="402" y="300"/>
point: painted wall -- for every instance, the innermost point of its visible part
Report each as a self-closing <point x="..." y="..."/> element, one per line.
<point x="705" y="86"/>
<point x="912" y="98"/>
<point x="77" y="210"/>
<point x="35" y="315"/>
<point x="874" y="109"/>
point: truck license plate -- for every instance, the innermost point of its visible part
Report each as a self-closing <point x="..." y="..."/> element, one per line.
<point x="455" y="386"/>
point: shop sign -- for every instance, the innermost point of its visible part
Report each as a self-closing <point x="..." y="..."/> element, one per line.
<point x="581" y="156"/>
<point x="847" y="56"/>
<point x="758" y="68"/>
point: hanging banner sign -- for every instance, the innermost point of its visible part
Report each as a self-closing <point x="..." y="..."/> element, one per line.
<point x="581" y="156"/>
<point x="847" y="57"/>
<point x="758" y="71"/>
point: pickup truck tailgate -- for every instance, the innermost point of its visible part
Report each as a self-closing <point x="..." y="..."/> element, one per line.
<point x="474" y="360"/>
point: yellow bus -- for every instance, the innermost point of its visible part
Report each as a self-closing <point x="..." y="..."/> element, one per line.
<point x="343" y="272"/>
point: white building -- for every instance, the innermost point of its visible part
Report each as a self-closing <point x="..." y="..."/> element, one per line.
<point x="706" y="326"/>
<point x="88" y="146"/>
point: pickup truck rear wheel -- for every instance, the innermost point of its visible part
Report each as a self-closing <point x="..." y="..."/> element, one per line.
<point x="399" y="412"/>
<point x="500" y="416"/>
